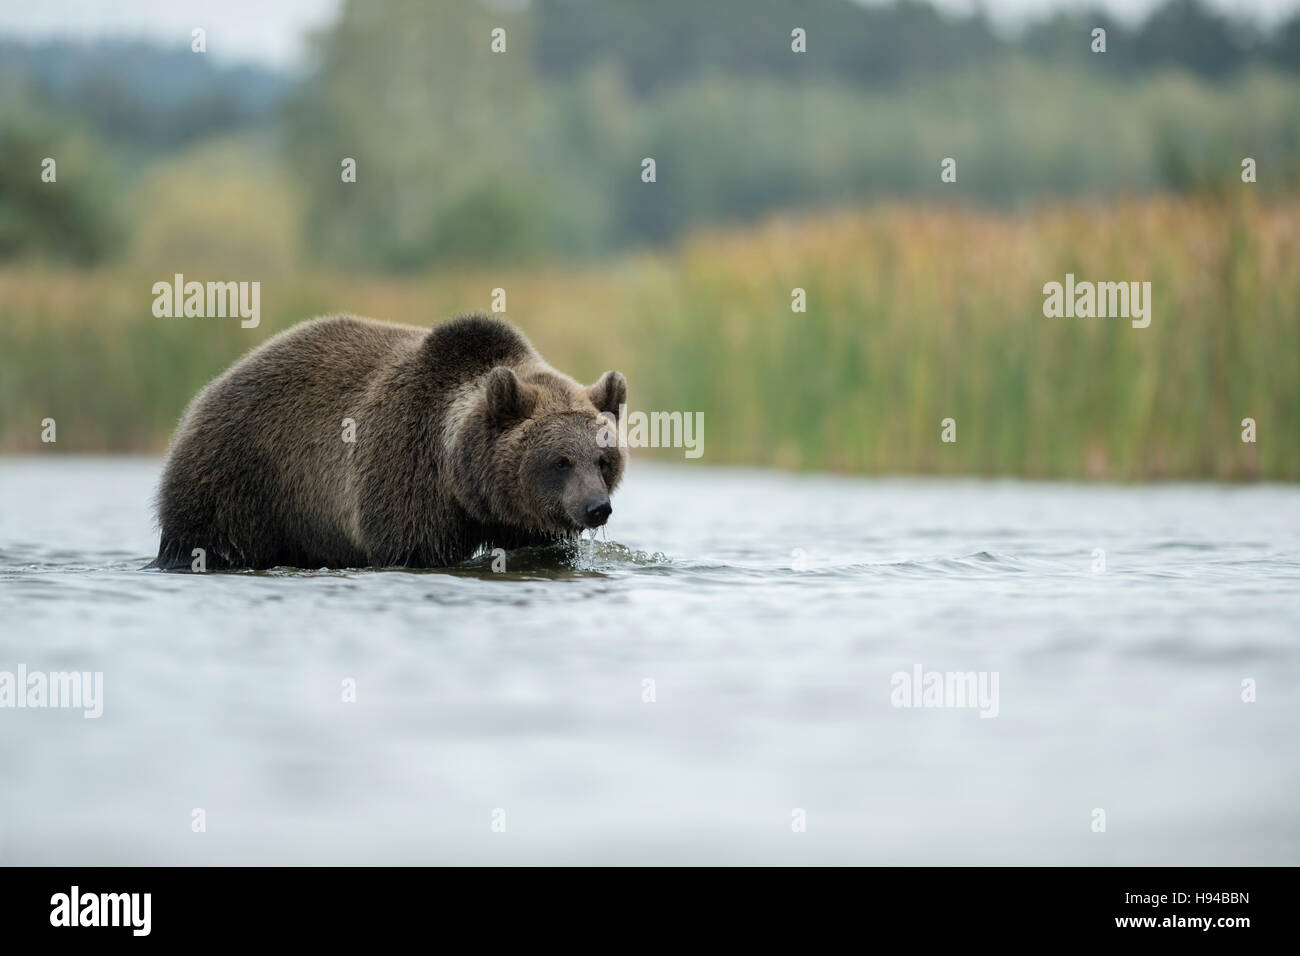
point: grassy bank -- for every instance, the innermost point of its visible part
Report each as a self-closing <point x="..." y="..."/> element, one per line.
<point x="915" y="314"/>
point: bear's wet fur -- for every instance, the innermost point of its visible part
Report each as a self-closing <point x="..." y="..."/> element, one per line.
<point x="465" y="440"/>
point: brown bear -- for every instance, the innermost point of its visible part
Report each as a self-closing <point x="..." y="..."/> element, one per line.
<point x="461" y="439"/>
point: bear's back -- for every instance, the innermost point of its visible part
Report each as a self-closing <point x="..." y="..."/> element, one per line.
<point x="269" y="433"/>
<point x="296" y="380"/>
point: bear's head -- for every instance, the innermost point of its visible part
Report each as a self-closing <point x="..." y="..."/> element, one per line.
<point x="539" y="452"/>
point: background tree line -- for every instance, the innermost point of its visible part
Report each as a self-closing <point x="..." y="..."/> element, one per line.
<point x="465" y="155"/>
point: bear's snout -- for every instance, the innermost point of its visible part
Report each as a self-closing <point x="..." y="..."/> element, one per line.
<point x="598" y="511"/>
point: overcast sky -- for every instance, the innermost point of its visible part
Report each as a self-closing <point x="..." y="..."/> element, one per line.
<point x="271" y="31"/>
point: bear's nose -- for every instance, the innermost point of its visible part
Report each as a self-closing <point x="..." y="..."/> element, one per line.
<point x="598" y="511"/>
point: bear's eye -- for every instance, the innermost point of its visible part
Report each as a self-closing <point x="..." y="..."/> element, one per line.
<point x="562" y="464"/>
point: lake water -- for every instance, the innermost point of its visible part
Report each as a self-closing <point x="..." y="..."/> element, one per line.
<point x="770" y="611"/>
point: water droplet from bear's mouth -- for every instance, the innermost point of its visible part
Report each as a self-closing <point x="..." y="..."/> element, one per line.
<point x="588" y="551"/>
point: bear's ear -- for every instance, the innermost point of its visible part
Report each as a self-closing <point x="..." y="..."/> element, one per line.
<point x="508" y="399"/>
<point x="609" y="392"/>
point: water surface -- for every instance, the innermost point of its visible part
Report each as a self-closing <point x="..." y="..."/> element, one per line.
<point x="770" y="611"/>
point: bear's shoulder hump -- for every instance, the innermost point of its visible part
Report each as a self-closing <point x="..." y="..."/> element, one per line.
<point x="477" y="342"/>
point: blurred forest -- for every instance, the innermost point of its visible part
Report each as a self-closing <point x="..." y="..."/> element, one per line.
<point x="774" y="170"/>
<point x="535" y="153"/>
